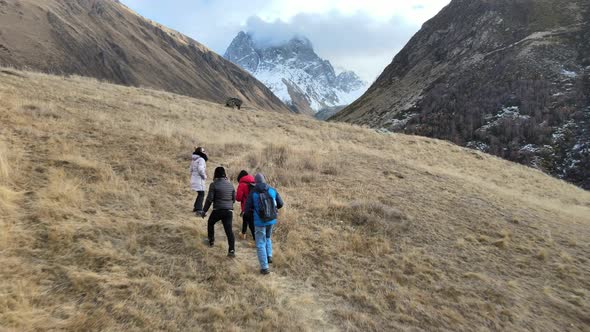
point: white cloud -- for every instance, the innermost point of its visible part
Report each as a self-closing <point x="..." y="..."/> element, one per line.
<point x="415" y="10"/>
<point x="355" y="42"/>
<point x="359" y="35"/>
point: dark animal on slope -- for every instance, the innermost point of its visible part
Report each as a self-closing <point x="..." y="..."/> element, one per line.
<point x="233" y="102"/>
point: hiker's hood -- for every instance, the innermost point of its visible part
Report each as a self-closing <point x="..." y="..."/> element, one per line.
<point x="247" y="179"/>
<point x="259" y="178"/>
<point x="196" y="156"/>
<point x="200" y="154"/>
<point x="261" y="187"/>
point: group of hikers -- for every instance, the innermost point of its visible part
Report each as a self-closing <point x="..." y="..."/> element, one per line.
<point x="259" y="205"/>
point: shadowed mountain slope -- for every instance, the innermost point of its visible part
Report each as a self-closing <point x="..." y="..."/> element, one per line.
<point x="511" y="78"/>
<point x="105" y="40"/>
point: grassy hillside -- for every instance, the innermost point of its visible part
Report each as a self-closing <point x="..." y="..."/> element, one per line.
<point x="380" y="232"/>
<point x="106" y="40"/>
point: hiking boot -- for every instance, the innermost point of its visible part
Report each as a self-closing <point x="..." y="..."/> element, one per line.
<point x="231" y="253"/>
<point x="211" y="243"/>
<point x="269" y="260"/>
<point x="264" y="271"/>
<point x="243" y="236"/>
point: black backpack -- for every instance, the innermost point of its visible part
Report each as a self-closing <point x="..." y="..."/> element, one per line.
<point x="267" y="206"/>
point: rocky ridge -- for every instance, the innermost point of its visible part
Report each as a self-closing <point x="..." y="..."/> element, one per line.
<point x="295" y="73"/>
<point x="511" y="78"/>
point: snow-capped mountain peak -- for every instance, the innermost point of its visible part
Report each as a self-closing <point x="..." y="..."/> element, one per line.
<point x="295" y="73"/>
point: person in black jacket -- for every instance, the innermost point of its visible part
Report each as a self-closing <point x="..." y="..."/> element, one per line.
<point x="223" y="196"/>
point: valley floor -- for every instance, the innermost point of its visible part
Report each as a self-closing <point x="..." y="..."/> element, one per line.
<point x="379" y="232"/>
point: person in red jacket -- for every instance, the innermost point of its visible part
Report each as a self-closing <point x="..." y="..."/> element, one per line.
<point x="246" y="182"/>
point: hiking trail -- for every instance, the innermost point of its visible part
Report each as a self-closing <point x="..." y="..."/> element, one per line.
<point x="304" y="299"/>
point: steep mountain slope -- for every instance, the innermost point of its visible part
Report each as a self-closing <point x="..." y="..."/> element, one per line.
<point x="380" y="232"/>
<point x="296" y="74"/>
<point x="511" y="78"/>
<point x="106" y="40"/>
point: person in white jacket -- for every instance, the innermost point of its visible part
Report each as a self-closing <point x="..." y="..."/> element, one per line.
<point x="198" y="170"/>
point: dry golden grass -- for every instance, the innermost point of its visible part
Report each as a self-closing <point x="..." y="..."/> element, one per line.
<point x="380" y="232"/>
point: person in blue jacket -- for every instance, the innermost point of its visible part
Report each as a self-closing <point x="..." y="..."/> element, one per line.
<point x="263" y="229"/>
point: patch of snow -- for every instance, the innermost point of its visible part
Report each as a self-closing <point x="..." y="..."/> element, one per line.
<point x="315" y="105"/>
<point x="399" y="124"/>
<point x="573" y="163"/>
<point x="396" y="124"/>
<point x="581" y="146"/>
<point x="512" y="112"/>
<point x="483" y="147"/>
<point x="559" y="133"/>
<point x="529" y="148"/>
<point x="570" y="74"/>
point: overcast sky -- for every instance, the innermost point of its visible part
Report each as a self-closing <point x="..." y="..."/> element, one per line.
<point x="359" y="35"/>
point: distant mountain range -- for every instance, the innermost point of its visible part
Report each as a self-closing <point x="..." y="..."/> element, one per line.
<point x="511" y="78"/>
<point x="106" y="40"/>
<point x="296" y="74"/>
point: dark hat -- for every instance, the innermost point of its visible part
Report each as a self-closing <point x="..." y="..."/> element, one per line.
<point x="219" y="173"/>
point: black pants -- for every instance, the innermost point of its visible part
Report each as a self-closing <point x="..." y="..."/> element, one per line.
<point x="199" y="201"/>
<point x="248" y="221"/>
<point x="225" y="216"/>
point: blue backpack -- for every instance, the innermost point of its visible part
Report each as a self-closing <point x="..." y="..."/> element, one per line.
<point x="267" y="206"/>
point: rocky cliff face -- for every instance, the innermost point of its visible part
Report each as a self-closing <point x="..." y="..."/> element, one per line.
<point x="106" y="40"/>
<point x="295" y="73"/>
<point x="511" y="78"/>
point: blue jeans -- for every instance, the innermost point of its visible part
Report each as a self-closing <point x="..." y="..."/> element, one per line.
<point x="263" y="244"/>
